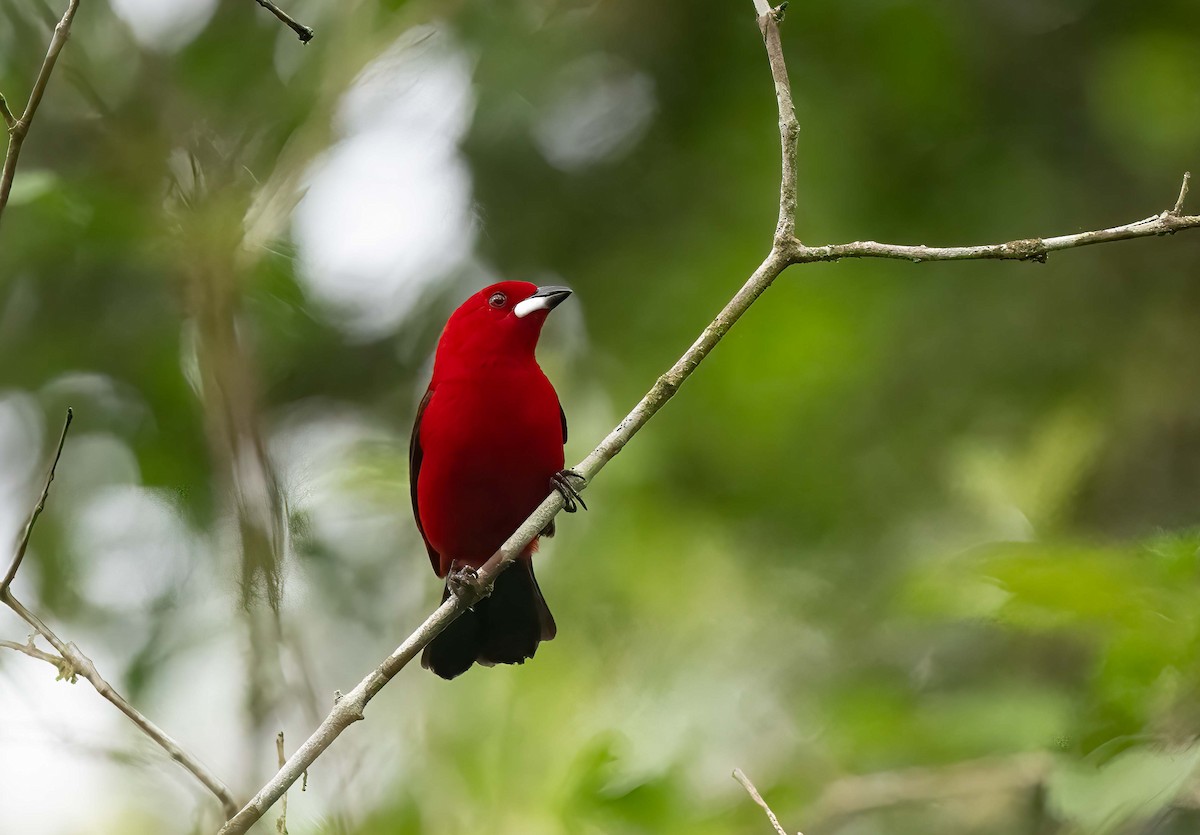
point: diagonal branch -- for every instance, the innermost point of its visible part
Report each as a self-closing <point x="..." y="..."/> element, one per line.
<point x="349" y="708"/>
<point x="787" y="250"/>
<point x="304" y="33"/>
<point x="79" y="664"/>
<point x="71" y="662"/>
<point x="1029" y="249"/>
<point x="19" y="128"/>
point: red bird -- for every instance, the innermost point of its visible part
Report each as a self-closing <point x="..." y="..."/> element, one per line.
<point x="487" y="446"/>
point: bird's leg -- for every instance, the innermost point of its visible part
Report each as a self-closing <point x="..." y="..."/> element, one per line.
<point x="561" y="481"/>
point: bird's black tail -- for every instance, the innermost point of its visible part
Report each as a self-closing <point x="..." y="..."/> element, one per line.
<point x="504" y="628"/>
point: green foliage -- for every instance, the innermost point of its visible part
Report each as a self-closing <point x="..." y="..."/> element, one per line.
<point x="904" y="517"/>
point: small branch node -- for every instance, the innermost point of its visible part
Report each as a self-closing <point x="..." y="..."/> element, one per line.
<point x="353" y="708"/>
<point x="1028" y="249"/>
<point x="779" y="11"/>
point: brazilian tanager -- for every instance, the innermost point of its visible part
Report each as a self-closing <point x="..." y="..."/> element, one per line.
<point x="487" y="447"/>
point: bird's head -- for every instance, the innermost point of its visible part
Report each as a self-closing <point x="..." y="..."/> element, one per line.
<point x="498" y="323"/>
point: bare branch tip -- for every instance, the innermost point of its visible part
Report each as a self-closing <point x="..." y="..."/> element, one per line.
<point x="281" y="824"/>
<point x="9" y="119"/>
<point x="23" y="544"/>
<point x="304" y="33"/>
<point x="1183" y="193"/>
<point x="741" y="777"/>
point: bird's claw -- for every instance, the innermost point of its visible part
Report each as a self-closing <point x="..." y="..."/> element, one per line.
<point x="561" y="481"/>
<point x="462" y="581"/>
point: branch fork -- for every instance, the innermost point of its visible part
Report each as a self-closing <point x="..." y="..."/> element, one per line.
<point x="19" y="127"/>
<point x="73" y="664"/>
<point x="786" y="250"/>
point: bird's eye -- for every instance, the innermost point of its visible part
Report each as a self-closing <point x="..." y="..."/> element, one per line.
<point x="497" y="300"/>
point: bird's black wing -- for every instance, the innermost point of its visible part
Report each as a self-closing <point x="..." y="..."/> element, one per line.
<point x="415" y="454"/>
<point x="549" y="529"/>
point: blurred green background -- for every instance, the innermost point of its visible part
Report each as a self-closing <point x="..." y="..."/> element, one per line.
<point x="916" y="548"/>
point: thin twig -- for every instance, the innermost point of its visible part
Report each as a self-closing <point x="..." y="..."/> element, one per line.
<point x="789" y="127"/>
<point x="281" y="824"/>
<point x="65" y="671"/>
<point x="349" y="709"/>
<point x="1029" y="249"/>
<point x="786" y="250"/>
<point x="740" y="776"/>
<point x="72" y="662"/>
<point x="81" y="665"/>
<point x="1183" y="193"/>
<point x="37" y="510"/>
<point x="19" y="128"/>
<point x="304" y="33"/>
<point x="9" y="120"/>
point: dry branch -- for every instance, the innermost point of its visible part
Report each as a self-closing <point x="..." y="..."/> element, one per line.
<point x="1030" y="249"/>
<point x="349" y="708"/>
<point x="786" y="250"/>
<point x="18" y="129"/>
<point x="65" y="670"/>
<point x="71" y="662"/>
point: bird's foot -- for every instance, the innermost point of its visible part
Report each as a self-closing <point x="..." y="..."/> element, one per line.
<point x="562" y="482"/>
<point x="463" y="581"/>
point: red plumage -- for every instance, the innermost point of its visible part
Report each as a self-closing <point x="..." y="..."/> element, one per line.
<point x="486" y="443"/>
